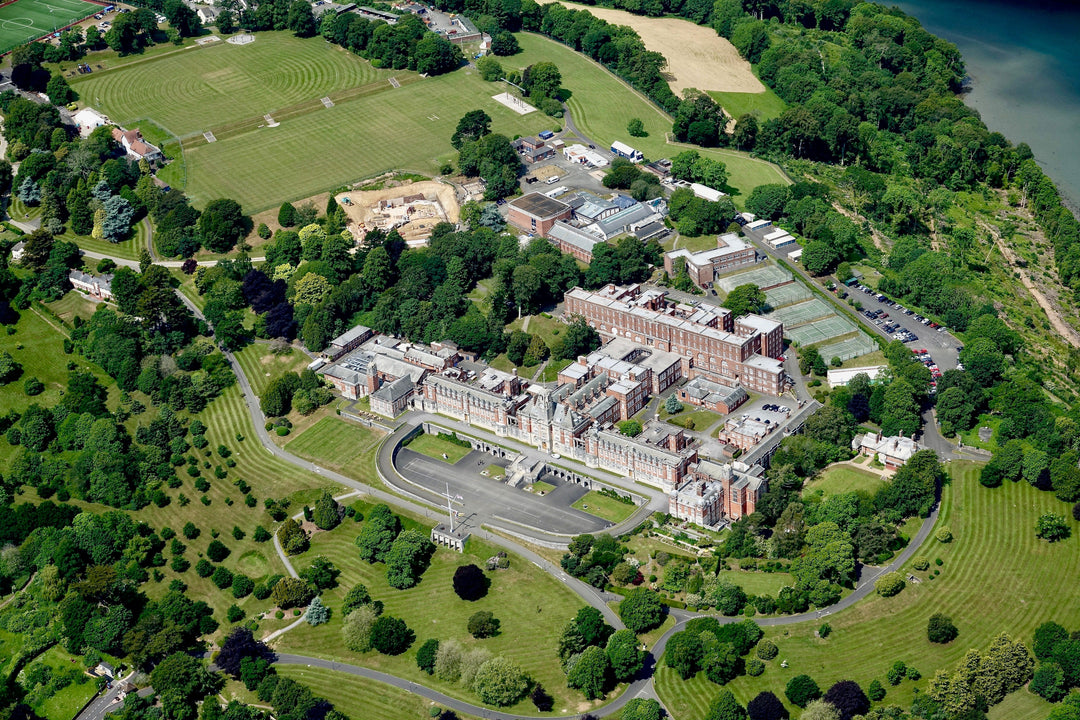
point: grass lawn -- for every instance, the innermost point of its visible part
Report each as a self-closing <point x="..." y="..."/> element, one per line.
<point x="73" y="304"/>
<point x="546" y="327"/>
<point x="843" y="479"/>
<point x="67" y="702"/>
<point x="759" y="583"/>
<point x="971" y="437"/>
<point x="23" y="21"/>
<point x="703" y="419"/>
<point x="354" y="695"/>
<point x="1020" y="705"/>
<point x="339" y="445"/>
<point x="495" y="472"/>
<point x="269" y="477"/>
<point x="531" y="606"/>
<point x="540" y="487"/>
<point x="38" y="346"/>
<point x="435" y="447"/>
<point x="602" y="506"/>
<point x="552" y="370"/>
<point x="1012" y="597"/>
<point x="261" y="366"/>
<point x="600" y="104"/>
<point x="694" y="243"/>
<point x="875" y="358"/>
<point x="764" y="106"/>
<point x="129" y="248"/>
<point x="227" y="89"/>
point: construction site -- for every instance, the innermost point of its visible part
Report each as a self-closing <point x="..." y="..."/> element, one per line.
<point x="414" y="208"/>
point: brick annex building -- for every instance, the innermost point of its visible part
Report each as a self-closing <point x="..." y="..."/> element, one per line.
<point x="712" y="342"/>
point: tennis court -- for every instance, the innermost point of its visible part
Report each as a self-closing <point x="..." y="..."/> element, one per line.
<point x="787" y="295"/>
<point x="822" y="330"/>
<point x="802" y="313"/>
<point x="847" y="349"/>
<point x="763" y="277"/>
<point x="26" y="20"/>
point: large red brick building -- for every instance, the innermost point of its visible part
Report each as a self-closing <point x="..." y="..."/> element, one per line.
<point x="536" y="213"/>
<point x="711" y="341"/>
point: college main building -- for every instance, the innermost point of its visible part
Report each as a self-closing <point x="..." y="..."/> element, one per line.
<point x="711" y="341"/>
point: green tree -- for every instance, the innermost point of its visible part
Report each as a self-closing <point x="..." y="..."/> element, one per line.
<point x="625" y="655"/>
<point x="641" y="709"/>
<point x="801" y="689"/>
<point x="181" y="681"/>
<point x="223" y="223"/>
<point x="377" y="535"/>
<point x="425" y="656"/>
<point x="483" y="624"/>
<point x="641" y="610"/>
<point x="684" y="653"/>
<point x="940" y="629"/>
<point x="1048" y="682"/>
<point x="636" y="128"/>
<point x="900" y="410"/>
<point x="489" y="69"/>
<point x="326" y="514"/>
<point x="390" y="635"/>
<point x="1051" y="527"/>
<point x="473" y="125"/>
<point x="301" y="19"/>
<point x="589" y="673"/>
<point x="745" y="300"/>
<point x="500" y="682"/>
<point x="286" y="215"/>
<point x="407" y="559"/>
<point x="356" y="630"/>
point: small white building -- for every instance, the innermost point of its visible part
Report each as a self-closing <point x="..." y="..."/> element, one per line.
<point x="706" y="193"/>
<point x="88" y="119"/>
<point x="18" y="250"/>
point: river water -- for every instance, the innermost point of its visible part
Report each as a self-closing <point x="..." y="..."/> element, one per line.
<point x="1023" y="61"/>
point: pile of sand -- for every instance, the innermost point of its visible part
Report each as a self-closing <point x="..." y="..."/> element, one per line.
<point x="362" y="206"/>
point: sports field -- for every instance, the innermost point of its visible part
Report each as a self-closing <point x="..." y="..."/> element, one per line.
<point x="979" y="587"/>
<point x="26" y="20"/>
<point x="227" y="90"/>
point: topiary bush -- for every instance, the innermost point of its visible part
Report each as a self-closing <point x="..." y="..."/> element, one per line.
<point x="767" y="650"/>
<point x="889" y="584"/>
<point x="754" y="667"/>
